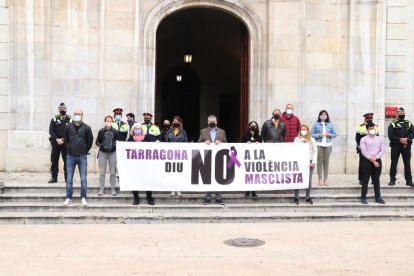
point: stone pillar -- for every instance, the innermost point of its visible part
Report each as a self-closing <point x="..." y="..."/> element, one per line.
<point x="4" y="79"/>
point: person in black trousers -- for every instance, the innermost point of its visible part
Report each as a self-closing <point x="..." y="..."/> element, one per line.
<point x="56" y="132"/>
<point x="401" y="134"/>
<point x="252" y="135"/>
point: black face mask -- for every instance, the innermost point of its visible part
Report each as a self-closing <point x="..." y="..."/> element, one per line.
<point x="212" y="125"/>
<point x="147" y="121"/>
<point x="252" y="128"/>
<point x="369" y="121"/>
<point x="62" y="112"/>
<point x="176" y="124"/>
<point x="401" y="117"/>
<point x="276" y="116"/>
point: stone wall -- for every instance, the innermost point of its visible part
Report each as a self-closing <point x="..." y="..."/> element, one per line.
<point x="348" y="57"/>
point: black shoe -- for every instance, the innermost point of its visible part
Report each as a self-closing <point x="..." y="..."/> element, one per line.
<point x="52" y="180"/>
<point x="247" y="194"/>
<point x="151" y="201"/>
<point x="136" y="201"/>
<point x="254" y="195"/>
<point x="409" y="183"/>
<point x="392" y="183"/>
<point x="296" y="201"/>
<point x="364" y="200"/>
<point x="219" y="201"/>
<point x="206" y="201"/>
<point x="309" y="201"/>
<point x="379" y="200"/>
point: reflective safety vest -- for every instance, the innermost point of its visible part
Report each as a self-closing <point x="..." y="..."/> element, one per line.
<point x="362" y="129"/>
<point x="123" y="128"/>
<point x="153" y="130"/>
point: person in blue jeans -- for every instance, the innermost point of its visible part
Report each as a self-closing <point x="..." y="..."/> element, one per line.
<point x="78" y="138"/>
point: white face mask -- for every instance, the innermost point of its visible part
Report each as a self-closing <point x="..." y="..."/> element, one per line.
<point x="303" y="132"/>
<point x="289" y="111"/>
<point x="371" y="131"/>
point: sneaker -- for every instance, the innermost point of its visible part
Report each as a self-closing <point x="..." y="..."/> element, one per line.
<point x="151" y="201"/>
<point x="67" y="202"/>
<point x="247" y="194"/>
<point x="52" y="180"/>
<point x="101" y="193"/>
<point x="296" y="201"/>
<point x="309" y="201"/>
<point x="83" y="201"/>
<point x="392" y="183"/>
<point x="206" y="201"/>
<point x="136" y="201"/>
<point x="364" y="200"/>
<point x="113" y="193"/>
<point x="380" y="200"/>
<point x="179" y="194"/>
<point x="219" y="201"/>
<point x="172" y="194"/>
<point x="409" y="183"/>
<point x="254" y="195"/>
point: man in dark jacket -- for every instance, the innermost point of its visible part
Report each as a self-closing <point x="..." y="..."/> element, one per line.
<point x="292" y="123"/>
<point x="79" y="139"/>
<point x="274" y="130"/>
<point x="56" y="131"/>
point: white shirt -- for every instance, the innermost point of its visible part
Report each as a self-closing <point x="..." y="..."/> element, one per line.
<point x="324" y="143"/>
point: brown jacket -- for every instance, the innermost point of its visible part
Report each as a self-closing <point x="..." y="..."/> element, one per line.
<point x="205" y="135"/>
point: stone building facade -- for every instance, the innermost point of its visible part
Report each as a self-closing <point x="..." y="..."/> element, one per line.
<point x="347" y="56"/>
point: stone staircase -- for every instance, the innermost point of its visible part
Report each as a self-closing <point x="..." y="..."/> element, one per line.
<point x="30" y="200"/>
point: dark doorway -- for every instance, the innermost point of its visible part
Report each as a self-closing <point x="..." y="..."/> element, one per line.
<point x="215" y="83"/>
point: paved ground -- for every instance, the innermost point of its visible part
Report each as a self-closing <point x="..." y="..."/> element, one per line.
<point x="325" y="248"/>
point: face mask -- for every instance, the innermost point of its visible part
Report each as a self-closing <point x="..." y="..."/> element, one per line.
<point x="323" y="117"/>
<point x="118" y="117"/>
<point x="137" y="132"/>
<point x="212" y="125"/>
<point x="108" y="124"/>
<point x="130" y="121"/>
<point x="369" y="121"/>
<point x="289" y="111"/>
<point x="77" y="118"/>
<point x="371" y="131"/>
<point x="401" y="117"/>
<point x="276" y="116"/>
<point x="147" y="121"/>
<point x="303" y="132"/>
<point x="62" y="112"/>
<point x="253" y="128"/>
<point x="176" y="124"/>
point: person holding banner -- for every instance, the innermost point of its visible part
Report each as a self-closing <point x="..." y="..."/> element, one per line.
<point x="176" y="134"/>
<point x="252" y="136"/>
<point x="106" y="141"/>
<point x="323" y="131"/>
<point x="138" y="135"/>
<point x="305" y="137"/>
<point x="209" y="135"/>
<point x="274" y="130"/>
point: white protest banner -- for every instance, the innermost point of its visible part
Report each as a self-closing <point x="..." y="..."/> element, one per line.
<point x="225" y="167"/>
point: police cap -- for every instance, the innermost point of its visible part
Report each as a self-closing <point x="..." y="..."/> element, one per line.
<point x="118" y="110"/>
<point x="147" y="114"/>
<point x="368" y="115"/>
<point x="401" y="109"/>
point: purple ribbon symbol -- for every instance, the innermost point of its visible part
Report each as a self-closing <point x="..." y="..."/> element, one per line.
<point x="233" y="158"/>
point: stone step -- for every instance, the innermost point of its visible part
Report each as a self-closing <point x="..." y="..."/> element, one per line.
<point x="125" y="198"/>
<point x="199" y="208"/>
<point x="59" y="188"/>
<point x="213" y="217"/>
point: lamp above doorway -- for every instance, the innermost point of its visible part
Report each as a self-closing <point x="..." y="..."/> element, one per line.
<point x="188" y="56"/>
<point x="179" y="78"/>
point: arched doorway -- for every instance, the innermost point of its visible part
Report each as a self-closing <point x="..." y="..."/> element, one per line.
<point x="216" y="82"/>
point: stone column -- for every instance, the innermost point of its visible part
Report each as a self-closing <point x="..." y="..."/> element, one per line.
<point x="4" y="79"/>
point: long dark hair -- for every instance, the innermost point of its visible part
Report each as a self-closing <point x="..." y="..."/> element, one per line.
<point x="256" y="132"/>
<point x="327" y="116"/>
<point x="178" y="119"/>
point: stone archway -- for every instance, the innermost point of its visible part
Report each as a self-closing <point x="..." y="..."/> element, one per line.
<point x="257" y="78"/>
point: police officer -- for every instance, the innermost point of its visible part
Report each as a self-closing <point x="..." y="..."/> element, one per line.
<point x="56" y="132"/>
<point x="119" y="125"/>
<point x="401" y="134"/>
<point x="361" y="132"/>
<point x="152" y="131"/>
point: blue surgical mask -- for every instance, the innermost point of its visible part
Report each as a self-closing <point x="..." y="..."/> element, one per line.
<point x="77" y="118"/>
<point x="118" y="117"/>
<point x="137" y="132"/>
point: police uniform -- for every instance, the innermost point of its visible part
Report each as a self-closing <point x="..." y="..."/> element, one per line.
<point x="360" y="133"/>
<point x="397" y="129"/>
<point x="56" y="130"/>
<point x="120" y="126"/>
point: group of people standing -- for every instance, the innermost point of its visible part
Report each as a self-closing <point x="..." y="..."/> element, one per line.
<point x="73" y="139"/>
